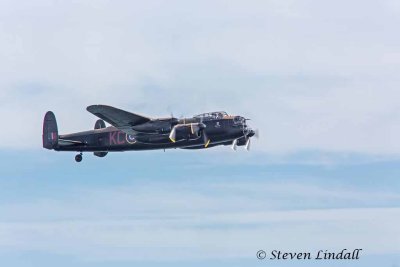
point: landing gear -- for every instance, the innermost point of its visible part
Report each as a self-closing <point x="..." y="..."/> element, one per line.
<point x="78" y="158"/>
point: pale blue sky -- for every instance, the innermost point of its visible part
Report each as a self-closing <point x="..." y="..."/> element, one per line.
<point x="214" y="207"/>
<point x="320" y="80"/>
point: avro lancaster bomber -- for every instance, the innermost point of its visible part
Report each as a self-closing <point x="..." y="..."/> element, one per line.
<point x="130" y="131"/>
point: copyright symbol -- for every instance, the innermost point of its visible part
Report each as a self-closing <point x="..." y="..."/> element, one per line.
<point x="261" y="254"/>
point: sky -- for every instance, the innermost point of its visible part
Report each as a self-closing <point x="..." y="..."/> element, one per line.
<point x="318" y="79"/>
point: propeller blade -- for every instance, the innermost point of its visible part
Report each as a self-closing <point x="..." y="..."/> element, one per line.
<point x="257" y="133"/>
<point x="172" y="135"/>
<point x="205" y="139"/>
<point x="234" y="144"/>
<point x="248" y="144"/>
<point x="194" y="128"/>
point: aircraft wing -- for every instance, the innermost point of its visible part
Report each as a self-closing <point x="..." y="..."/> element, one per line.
<point x="118" y="118"/>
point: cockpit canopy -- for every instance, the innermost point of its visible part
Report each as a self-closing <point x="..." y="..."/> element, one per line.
<point x="212" y="115"/>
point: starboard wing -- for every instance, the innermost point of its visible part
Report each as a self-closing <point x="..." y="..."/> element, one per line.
<point x="118" y="118"/>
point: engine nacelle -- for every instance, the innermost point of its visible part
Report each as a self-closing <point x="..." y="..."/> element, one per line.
<point x="241" y="141"/>
<point x="100" y="154"/>
<point x="100" y="124"/>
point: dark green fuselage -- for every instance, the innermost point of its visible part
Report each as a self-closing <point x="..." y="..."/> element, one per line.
<point x="154" y="135"/>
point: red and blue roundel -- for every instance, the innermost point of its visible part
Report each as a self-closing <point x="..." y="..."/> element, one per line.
<point x="130" y="139"/>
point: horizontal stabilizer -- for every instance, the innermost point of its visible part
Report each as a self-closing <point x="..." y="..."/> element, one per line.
<point x="65" y="142"/>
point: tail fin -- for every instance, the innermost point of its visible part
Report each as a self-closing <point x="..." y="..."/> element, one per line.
<point x="50" y="131"/>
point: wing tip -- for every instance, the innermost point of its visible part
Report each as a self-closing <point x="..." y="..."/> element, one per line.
<point x="93" y="108"/>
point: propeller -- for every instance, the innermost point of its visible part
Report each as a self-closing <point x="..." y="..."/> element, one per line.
<point x="247" y="134"/>
<point x="206" y="140"/>
<point x="174" y="120"/>
<point x="172" y="135"/>
<point x="234" y="144"/>
<point x="256" y="133"/>
<point x="247" y="146"/>
<point x="195" y="129"/>
<point x="250" y="133"/>
<point x="202" y="128"/>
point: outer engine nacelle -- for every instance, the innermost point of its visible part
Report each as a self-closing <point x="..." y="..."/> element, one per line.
<point x="186" y="131"/>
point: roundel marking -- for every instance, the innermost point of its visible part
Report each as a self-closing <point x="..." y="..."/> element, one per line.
<point x="130" y="139"/>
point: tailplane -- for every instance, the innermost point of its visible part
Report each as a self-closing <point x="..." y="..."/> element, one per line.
<point x="50" y="131"/>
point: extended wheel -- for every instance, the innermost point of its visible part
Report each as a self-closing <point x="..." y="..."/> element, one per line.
<point x="78" y="158"/>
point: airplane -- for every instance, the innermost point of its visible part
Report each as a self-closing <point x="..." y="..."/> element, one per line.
<point x="131" y="131"/>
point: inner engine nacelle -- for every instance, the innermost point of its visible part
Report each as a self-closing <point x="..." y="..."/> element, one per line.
<point x="100" y="154"/>
<point x="186" y="131"/>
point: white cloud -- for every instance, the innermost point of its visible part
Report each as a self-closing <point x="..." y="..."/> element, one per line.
<point x="310" y="75"/>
